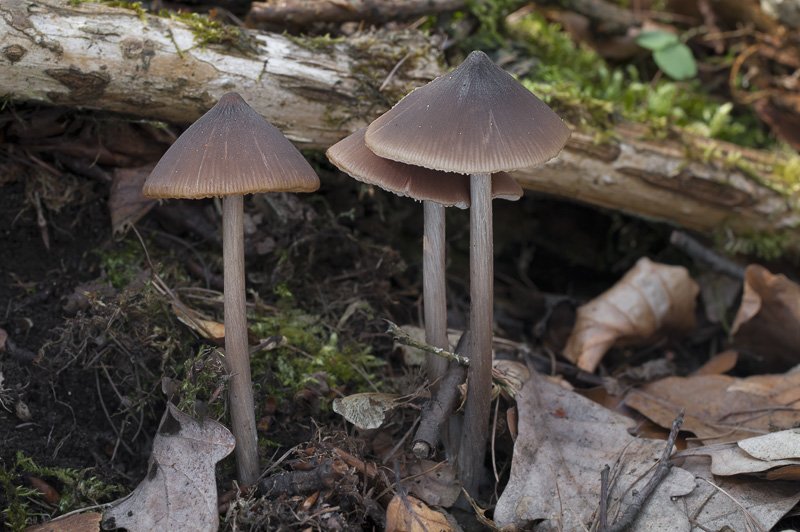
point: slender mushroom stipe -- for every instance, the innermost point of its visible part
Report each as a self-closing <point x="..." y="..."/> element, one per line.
<point x="475" y="120"/>
<point x="231" y="151"/>
<point x="436" y="190"/>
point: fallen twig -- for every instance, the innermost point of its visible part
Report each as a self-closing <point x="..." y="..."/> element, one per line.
<point x="404" y="338"/>
<point x="662" y="470"/>
<point x="433" y="419"/>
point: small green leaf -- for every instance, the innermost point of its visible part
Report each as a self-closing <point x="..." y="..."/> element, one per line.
<point x="656" y="40"/>
<point x="676" y="61"/>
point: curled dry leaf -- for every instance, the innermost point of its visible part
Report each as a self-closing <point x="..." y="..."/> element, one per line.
<point x="651" y="301"/>
<point x="86" y="522"/>
<point x="408" y="514"/>
<point x="564" y="440"/>
<point x="768" y="321"/>
<point x="720" y="408"/>
<point x="179" y="492"/>
<point x="366" y="410"/>
<point x="746" y="504"/>
<point x="126" y="201"/>
<point x="751" y="455"/>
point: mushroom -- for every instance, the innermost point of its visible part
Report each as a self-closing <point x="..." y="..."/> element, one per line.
<point x="475" y="120"/>
<point x="231" y="151"/>
<point x="436" y="190"/>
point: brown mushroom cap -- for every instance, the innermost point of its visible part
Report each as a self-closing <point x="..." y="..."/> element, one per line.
<point x="352" y="156"/>
<point x="230" y="150"/>
<point x="477" y="119"/>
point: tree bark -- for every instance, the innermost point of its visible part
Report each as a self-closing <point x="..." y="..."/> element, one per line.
<point x="315" y="91"/>
<point x="672" y="180"/>
<point x="306" y="12"/>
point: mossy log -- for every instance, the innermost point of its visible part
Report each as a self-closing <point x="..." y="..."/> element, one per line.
<point x="169" y="68"/>
<point x="319" y="90"/>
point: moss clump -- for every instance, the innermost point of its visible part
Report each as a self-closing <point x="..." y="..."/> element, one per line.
<point x="204" y="380"/>
<point x="310" y="348"/>
<point x="323" y="43"/>
<point x="207" y="31"/>
<point x="133" y="6"/>
<point x="765" y="246"/>
<point x="578" y="81"/>
<point x="122" y="265"/>
<point x="77" y="489"/>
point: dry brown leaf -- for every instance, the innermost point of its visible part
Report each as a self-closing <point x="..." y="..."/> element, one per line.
<point x="718" y="364"/>
<point x="408" y="514"/>
<point x="728" y="459"/>
<point x="179" y="492"/>
<point x="366" y="410"/>
<point x="651" y="301"/>
<point x="564" y="441"/>
<point x="438" y="486"/>
<point x="768" y="321"/>
<point x="746" y="503"/>
<point x="126" y="201"/>
<point x="87" y="522"/>
<point x="720" y="408"/>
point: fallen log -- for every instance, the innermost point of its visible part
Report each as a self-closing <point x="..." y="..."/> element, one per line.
<point x="169" y="68"/>
<point x="319" y="90"/>
<point x="702" y="184"/>
<point x="302" y="13"/>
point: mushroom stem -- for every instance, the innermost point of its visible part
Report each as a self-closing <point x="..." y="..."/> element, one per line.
<point x="479" y="388"/>
<point x="434" y="298"/>
<point x="236" y="352"/>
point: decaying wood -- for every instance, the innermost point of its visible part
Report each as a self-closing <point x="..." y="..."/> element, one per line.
<point x="317" y="92"/>
<point x="305" y="12"/>
<point x="151" y="67"/>
<point x="685" y="181"/>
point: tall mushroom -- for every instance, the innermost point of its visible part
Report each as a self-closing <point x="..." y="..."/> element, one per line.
<point x="231" y="151"/>
<point x="475" y="120"/>
<point x="436" y="190"/>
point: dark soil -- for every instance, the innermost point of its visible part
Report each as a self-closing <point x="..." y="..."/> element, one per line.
<point x="88" y="367"/>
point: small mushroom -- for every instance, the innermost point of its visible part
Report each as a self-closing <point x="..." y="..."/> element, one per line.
<point x="475" y="120"/>
<point x="231" y="151"/>
<point x="436" y="190"/>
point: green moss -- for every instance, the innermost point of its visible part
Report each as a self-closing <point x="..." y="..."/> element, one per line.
<point x="311" y="347"/>
<point x="766" y="246"/>
<point x="207" y="31"/>
<point x="587" y="91"/>
<point x="203" y="379"/>
<point x="324" y="43"/>
<point x="78" y="489"/>
<point x="133" y="6"/>
<point x="123" y="264"/>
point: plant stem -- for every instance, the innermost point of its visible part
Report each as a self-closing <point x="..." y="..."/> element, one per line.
<point x="236" y="353"/>
<point x="434" y="291"/>
<point x="479" y="387"/>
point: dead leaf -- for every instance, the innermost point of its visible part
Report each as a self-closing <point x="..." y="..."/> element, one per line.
<point x="718" y="364"/>
<point x="651" y="301"/>
<point x="86" y="522"/>
<point x="768" y="321"/>
<point x="720" y="408"/>
<point x="126" y="201"/>
<point x="728" y="459"/>
<point x="408" y="514"/>
<point x="781" y="445"/>
<point x="740" y="503"/>
<point x="179" y="492"/>
<point x="555" y="472"/>
<point x="437" y="487"/>
<point x="366" y="410"/>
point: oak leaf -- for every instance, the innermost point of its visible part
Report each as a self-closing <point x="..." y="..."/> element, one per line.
<point x="179" y="492"/>
<point x="651" y="301"/>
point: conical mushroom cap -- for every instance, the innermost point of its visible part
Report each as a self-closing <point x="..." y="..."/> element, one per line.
<point x="352" y="156"/>
<point x="230" y="150"/>
<point x="477" y="119"/>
